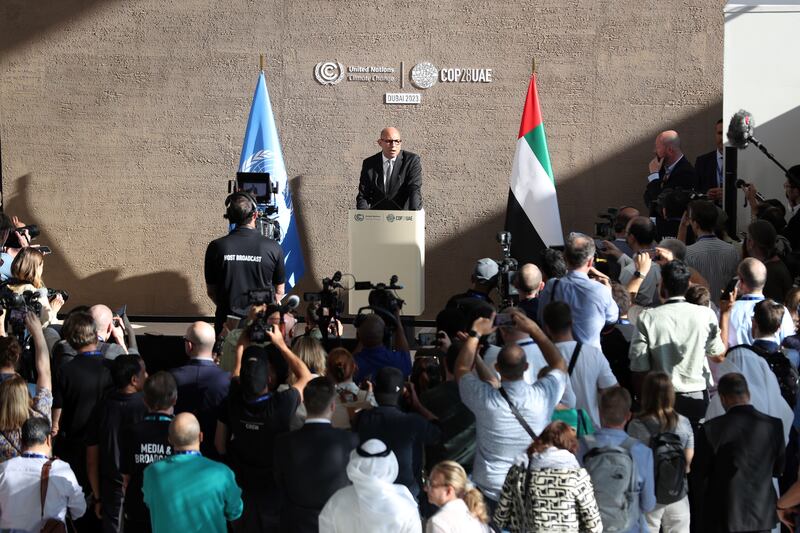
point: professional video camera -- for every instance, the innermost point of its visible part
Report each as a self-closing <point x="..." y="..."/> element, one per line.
<point x="383" y="300"/>
<point x="265" y="191"/>
<point x="330" y="303"/>
<point x="508" y="267"/>
<point x="258" y="328"/>
<point x="604" y="228"/>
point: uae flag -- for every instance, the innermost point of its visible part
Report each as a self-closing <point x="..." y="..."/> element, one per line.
<point x="532" y="214"/>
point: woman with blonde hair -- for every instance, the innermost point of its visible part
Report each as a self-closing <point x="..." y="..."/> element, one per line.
<point x="311" y="352"/>
<point x="461" y="505"/>
<point x="16" y="402"/>
<point x="528" y="502"/>
<point x="26" y="275"/>
<point x="349" y="398"/>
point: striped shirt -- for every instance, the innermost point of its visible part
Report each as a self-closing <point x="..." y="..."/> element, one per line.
<point x="715" y="260"/>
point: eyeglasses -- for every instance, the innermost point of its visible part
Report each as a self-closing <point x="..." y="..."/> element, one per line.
<point x="391" y="141"/>
<point x="429" y="485"/>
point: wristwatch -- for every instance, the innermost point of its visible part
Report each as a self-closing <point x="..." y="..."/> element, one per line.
<point x="473" y="333"/>
<point x="638" y="274"/>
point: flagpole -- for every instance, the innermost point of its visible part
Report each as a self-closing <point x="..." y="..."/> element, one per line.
<point x="261" y="62"/>
<point x="533" y="66"/>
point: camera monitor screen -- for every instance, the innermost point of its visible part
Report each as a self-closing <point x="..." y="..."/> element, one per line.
<point x="256" y="183"/>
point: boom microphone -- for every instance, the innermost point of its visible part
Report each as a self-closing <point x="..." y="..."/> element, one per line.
<point x="740" y="129"/>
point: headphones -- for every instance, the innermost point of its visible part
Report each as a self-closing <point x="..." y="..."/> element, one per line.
<point x="240" y="194"/>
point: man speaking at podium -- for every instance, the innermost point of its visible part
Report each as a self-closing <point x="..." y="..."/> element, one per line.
<point x="391" y="179"/>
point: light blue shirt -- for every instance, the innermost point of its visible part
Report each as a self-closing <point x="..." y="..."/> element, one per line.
<point x="5" y="268"/>
<point x="740" y="325"/>
<point x="642" y="458"/>
<point x="591" y="304"/>
<point x="500" y="438"/>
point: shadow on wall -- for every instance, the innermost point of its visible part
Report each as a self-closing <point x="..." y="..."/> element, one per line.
<point x="167" y="291"/>
<point x="25" y="20"/>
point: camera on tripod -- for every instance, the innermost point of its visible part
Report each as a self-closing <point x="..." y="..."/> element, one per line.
<point x="264" y="191"/>
<point x="330" y="304"/>
<point x="258" y="328"/>
<point x="507" y="271"/>
<point x="382" y="300"/>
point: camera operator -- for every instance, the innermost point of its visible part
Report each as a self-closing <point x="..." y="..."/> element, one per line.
<point x="26" y="271"/>
<point x="15" y="236"/>
<point x="476" y="302"/>
<point x="371" y="354"/>
<point x="241" y="260"/>
<point x="641" y="233"/>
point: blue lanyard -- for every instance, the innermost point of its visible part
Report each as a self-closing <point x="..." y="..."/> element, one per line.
<point x="751" y="298"/>
<point x="526" y="343"/>
<point x="701" y="237"/>
<point x="30" y="455"/>
<point x="260" y="399"/>
<point x="187" y="452"/>
<point x="95" y="353"/>
<point x="158" y="418"/>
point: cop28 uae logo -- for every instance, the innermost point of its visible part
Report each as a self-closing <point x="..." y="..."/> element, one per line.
<point x="329" y="72"/>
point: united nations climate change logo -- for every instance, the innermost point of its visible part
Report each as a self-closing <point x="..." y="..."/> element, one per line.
<point x="390" y="218"/>
<point x="359" y="217"/>
<point x="329" y="72"/>
<point x="424" y="75"/>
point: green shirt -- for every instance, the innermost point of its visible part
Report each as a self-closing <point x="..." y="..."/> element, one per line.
<point x="187" y="493"/>
<point x="676" y="338"/>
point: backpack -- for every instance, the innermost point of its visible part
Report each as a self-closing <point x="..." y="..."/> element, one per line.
<point x="669" y="463"/>
<point x="785" y="372"/>
<point x="613" y="474"/>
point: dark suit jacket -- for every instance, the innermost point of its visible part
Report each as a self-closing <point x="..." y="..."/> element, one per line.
<point x="404" y="187"/>
<point x="683" y="176"/>
<point x="738" y="454"/>
<point x="792" y="231"/>
<point x="706" y="168"/>
<point x="310" y="465"/>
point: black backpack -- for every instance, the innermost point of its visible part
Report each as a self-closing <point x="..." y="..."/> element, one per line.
<point x="669" y="463"/>
<point x="785" y="372"/>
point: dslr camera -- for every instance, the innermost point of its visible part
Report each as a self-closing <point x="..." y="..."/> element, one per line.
<point x="258" y="328"/>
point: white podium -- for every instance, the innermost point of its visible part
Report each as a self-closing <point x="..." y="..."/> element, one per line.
<point x="387" y="243"/>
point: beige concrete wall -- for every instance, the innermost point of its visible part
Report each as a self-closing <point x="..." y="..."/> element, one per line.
<point x="121" y="121"/>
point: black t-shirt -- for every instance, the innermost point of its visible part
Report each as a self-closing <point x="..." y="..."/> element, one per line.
<point x="457" y="423"/>
<point x="473" y="303"/>
<point x="111" y="415"/>
<point x="80" y="386"/>
<point x="779" y="280"/>
<point x="240" y="261"/>
<point x="141" y="445"/>
<point x="252" y="427"/>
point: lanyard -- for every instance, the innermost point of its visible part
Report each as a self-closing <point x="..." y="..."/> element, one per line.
<point x="30" y="455"/>
<point x="751" y="298"/>
<point x="187" y="452"/>
<point x="260" y="399"/>
<point x="158" y="418"/>
<point x="702" y="237"/>
<point x="95" y="353"/>
<point x="526" y="343"/>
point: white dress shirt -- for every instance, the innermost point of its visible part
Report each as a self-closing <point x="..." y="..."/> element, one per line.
<point x="20" y="507"/>
<point x="454" y="517"/>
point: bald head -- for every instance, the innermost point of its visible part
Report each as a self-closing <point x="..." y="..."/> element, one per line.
<point x="103" y="320"/>
<point x="511" y="363"/>
<point x="390" y="142"/>
<point x="201" y="338"/>
<point x="668" y="146"/>
<point x="371" y="331"/>
<point x="752" y="274"/>
<point x="529" y="280"/>
<point x="184" y="432"/>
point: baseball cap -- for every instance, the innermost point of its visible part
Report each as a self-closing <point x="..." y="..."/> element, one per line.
<point x="485" y="270"/>
<point x="254" y="377"/>
<point x="389" y="383"/>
